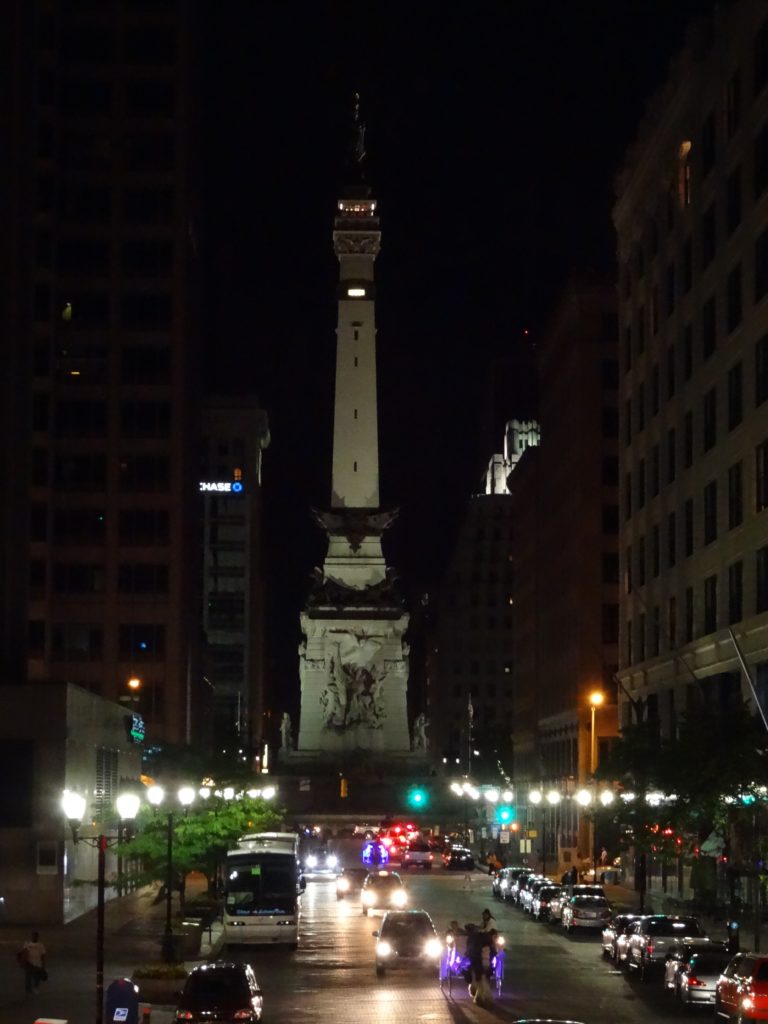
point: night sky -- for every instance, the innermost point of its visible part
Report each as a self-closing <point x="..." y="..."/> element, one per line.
<point x="495" y="130"/>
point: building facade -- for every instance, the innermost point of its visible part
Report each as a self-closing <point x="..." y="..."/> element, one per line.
<point x="235" y="434"/>
<point x="691" y="217"/>
<point x="100" y="411"/>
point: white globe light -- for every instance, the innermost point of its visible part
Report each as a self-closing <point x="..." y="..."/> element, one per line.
<point x="268" y="792"/>
<point x="155" y="795"/>
<point x="186" y="796"/>
<point x="205" y="792"/>
<point x="253" y="793"/>
<point x="535" y="796"/>
<point x="73" y="805"/>
<point x="553" y="797"/>
<point x="128" y="806"/>
<point x="584" y="797"/>
<point x="492" y="795"/>
<point x="229" y="793"/>
<point x="507" y="796"/>
<point x="456" y="788"/>
<point x="606" y="798"/>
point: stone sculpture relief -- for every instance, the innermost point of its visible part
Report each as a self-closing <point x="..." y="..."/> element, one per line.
<point x="286" y="736"/>
<point x="353" y="694"/>
<point x="420" y="741"/>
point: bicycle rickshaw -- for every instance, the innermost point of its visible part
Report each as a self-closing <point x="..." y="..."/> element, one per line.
<point x="455" y="966"/>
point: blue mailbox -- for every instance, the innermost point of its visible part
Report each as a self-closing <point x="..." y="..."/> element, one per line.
<point x="122" y="1003"/>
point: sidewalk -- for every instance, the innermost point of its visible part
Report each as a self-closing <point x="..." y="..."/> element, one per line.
<point x="627" y="900"/>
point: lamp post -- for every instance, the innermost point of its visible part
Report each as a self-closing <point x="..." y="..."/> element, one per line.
<point x="73" y="805"/>
<point x="185" y="796"/>
<point x="596" y="699"/>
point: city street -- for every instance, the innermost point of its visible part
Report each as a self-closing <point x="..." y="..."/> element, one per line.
<point x="332" y="975"/>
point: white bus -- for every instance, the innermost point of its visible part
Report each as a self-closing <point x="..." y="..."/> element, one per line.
<point x="262" y="890"/>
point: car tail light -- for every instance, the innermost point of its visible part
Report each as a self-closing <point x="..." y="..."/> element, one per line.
<point x="694" y="982"/>
<point x="184" y="1015"/>
<point x="242" y="1015"/>
<point x="649" y="948"/>
<point x="431" y="856"/>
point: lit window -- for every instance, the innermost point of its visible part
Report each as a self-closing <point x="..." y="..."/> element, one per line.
<point x="356" y="293"/>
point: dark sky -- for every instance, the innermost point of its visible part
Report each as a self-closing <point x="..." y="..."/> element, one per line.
<point x="494" y="133"/>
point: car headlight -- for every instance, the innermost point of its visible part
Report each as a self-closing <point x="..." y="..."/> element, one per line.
<point x="399" y="898"/>
<point x="342" y="884"/>
<point x="311" y="861"/>
<point x="384" y="949"/>
<point x="369" y="898"/>
<point x="433" y="947"/>
<point x="331" y="861"/>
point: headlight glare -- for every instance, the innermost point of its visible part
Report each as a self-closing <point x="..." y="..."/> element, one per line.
<point x="399" y="898"/>
<point x="342" y="884"/>
<point x="369" y="898"/>
<point x="311" y="861"/>
<point x="331" y="860"/>
<point x="384" y="949"/>
<point x="433" y="948"/>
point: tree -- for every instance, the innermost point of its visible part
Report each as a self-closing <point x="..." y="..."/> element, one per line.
<point x="201" y="836"/>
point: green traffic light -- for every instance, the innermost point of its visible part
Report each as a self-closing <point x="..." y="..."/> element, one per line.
<point x="505" y="814"/>
<point x="417" y="798"/>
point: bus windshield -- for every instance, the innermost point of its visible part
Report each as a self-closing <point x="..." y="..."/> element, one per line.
<point x="261" y="884"/>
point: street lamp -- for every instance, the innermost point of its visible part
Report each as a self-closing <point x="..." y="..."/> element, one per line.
<point x="74" y="805"/>
<point x="185" y="796"/>
<point x="596" y="699"/>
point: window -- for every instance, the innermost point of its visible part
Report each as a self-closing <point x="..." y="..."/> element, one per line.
<point x="735" y="496"/>
<point x="687" y="351"/>
<point x="81" y="257"/>
<point x="146" y="311"/>
<point x="73" y="578"/>
<point x="640" y="330"/>
<point x="630" y="645"/>
<point x="610" y="624"/>
<point x="684" y="182"/>
<point x="688" y="527"/>
<point x="655" y="550"/>
<point x="142" y="641"/>
<point x="610" y="473"/>
<point x="79" y="525"/>
<point x="708" y="327"/>
<point x="760" y="176"/>
<point x="672" y="622"/>
<point x="688" y="440"/>
<point x="733" y="201"/>
<point x="708" y="236"/>
<point x="641" y="637"/>
<point x="641" y="483"/>
<point x="734" y="303"/>
<point x="687" y="268"/>
<point x="610" y="519"/>
<point x="708" y="144"/>
<point x="73" y="642"/>
<point x="609" y="374"/>
<point x="628" y="566"/>
<point x="147" y="257"/>
<point x="106" y="784"/>
<point x="761" y="580"/>
<point x="671" y="454"/>
<point x="147" y="527"/>
<point x="142" y="578"/>
<point x="146" y="364"/>
<point x="655" y="310"/>
<point x="80" y="472"/>
<point x="733" y="104"/>
<point x="628" y="420"/>
<point x="144" y="473"/>
<point x="655" y="470"/>
<point x="145" y="419"/>
<point x="670" y="371"/>
<point x="610" y="422"/>
<point x="710" y="512"/>
<point x="627" y="348"/>
<point x="147" y="98"/>
<point x="761" y="476"/>
<point x="761" y="265"/>
<point x="655" y="390"/>
<point x="148" y="205"/>
<point x="710" y="604"/>
<point x="669" y="290"/>
<point x="688" y="625"/>
<point x="640" y="574"/>
<point x="671" y="539"/>
<point x="761" y="58"/>
<point x="610" y="573"/>
<point x="709" y="431"/>
<point x="655" y="630"/>
<point x="761" y="370"/>
<point x="81" y="419"/>
<point x="735" y="592"/>
<point x="640" y="406"/>
<point x="735" y="404"/>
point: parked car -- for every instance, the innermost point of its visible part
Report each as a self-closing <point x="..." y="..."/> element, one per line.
<point x="383" y="890"/>
<point x="524" y="887"/>
<point x="741" y="991"/>
<point x="585" y="912"/>
<point x="459" y="859"/>
<point x="501" y="882"/>
<point x="417" y="854"/>
<point x="696" y="981"/>
<point x="556" y="904"/>
<point x="225" y="992"/>
<point x="680" y="953"/>
<point x="349" y="881"/>
<point x="583" y="889"/>
<point x="406" y="938"/>
<point x="614" y="930"/>
<point x="529" y="894"/>
<point x="542" y="901"/>
<point x="651" y="937"/>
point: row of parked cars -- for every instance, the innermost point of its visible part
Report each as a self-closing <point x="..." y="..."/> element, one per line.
<point x="572" y="906"/>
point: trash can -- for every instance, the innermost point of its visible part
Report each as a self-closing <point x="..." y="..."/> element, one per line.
<point x="191" y="937"/>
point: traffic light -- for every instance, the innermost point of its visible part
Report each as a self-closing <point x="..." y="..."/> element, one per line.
<point x="505" y="814"/>
<point x="418" y="798"/>
<point x="343" y="788"/>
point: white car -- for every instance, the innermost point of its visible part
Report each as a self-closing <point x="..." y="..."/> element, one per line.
<point x="417" y="855"/>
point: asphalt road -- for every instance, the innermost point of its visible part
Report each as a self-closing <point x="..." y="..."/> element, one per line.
<point x="331" y="978"/>
<point x="548" y="974"/>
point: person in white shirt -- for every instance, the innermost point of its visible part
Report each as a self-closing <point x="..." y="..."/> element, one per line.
<point x="32" y="956"/>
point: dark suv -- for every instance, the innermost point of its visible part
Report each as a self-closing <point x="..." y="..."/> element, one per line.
<point x="225" y="992"/>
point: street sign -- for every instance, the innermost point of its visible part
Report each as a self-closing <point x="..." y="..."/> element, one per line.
<point x="525" y="846"/>
<point x="532" y="833"/>
<point x="504" y="837"/>
<point x="483" y="833"/>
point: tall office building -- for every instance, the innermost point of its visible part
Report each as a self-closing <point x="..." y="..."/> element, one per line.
<point x="100" y="423"/>
<point x="691" y="216"/>
<point x="235" y="434"/>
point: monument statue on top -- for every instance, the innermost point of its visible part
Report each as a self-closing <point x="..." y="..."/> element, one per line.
<point x="353" y="662"/>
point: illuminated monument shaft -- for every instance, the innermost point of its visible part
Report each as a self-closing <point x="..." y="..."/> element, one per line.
<point x="354" y="662"/>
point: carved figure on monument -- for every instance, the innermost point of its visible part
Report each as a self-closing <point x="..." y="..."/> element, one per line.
<point x="286" y="737"/>
<point x="353" y="694"/>
<point x="420" y="741"/>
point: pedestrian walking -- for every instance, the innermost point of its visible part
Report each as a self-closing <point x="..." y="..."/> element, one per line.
<point x="31" y="957"/>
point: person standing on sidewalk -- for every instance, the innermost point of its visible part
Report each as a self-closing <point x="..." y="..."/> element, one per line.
<point x="32" y="958"/>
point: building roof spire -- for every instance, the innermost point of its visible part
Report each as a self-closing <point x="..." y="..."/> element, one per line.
<point x="357" y="154"/>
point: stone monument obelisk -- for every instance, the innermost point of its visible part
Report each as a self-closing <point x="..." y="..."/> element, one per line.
<point x="353" y="662"/>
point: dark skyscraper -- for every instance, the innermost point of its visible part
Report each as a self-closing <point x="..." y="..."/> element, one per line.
<point x="99" y="561"/>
